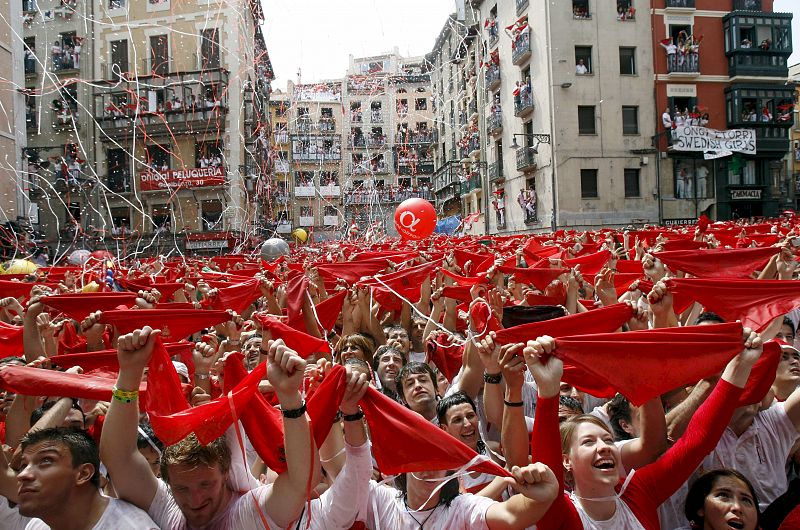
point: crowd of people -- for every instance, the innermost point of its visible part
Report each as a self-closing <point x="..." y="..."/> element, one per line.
<point x="193" y="103"/>
<point x="611" y="379"/>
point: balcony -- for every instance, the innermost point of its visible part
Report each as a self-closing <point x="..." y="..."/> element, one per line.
<point x="747" y="54"/>
<point x="124" y="108"/>
<point x="376" y="117"/>
<point x="473" y="183"/>
<point x="64" y="64"/>
<point x="330" y="191"/>
<point x="747" y="5"/>
<point x="281" y="166"/>
<point x="318" y="155"/>
<point x="385" y="196"/>
<point x="680" y="4"/>
<point x="281" y="137"/>
<point x="358" y="142"/>
<point x="284" y="227"/>
<point x="366" y="168"/>
<point x="65" y="120"/>
<point x="494" y="35"/>
<point x="306" y="220"/>
<point x="304" y="191"/>
<point x="356" y="117"/>
<point x="473" y="109"/>
<point x="492" y="76"/>
<point x="119" y="182"/>
<point x="494" y="123"/>
<point x="376" y="140"/>
<point x="327" y="126"/>
<point x="758" y="63"/>
<point x="521" y="48"/>
<point x="526" y="159"/>
<point x="330" y="220"/>
<point x="521" y="5"/>
<point x="416" y="137"/>
<point x="495" y="172"/>
<point x="280" y="197"/>
<point x="473" y="147"/>
<point x="523" y="104"/>
<point x="766" y="108"/>
<point x="688" y="64"/>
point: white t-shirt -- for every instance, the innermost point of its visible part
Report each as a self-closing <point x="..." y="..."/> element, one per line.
<point x="759" y="453"/>
<point x="386" y="511"/>
<point x="240" y="514"/>
<point x="118" y="515"/>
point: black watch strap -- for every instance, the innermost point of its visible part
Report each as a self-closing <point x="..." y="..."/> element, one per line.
<point x="295" y="413"/>
<point x="353" y="417"/>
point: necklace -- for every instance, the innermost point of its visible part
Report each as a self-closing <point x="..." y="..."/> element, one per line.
<point x="421" y="524"/>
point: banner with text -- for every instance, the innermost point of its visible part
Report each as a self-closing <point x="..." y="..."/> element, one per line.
<point x="693" y="138"/>
<point x="182" y="178"/>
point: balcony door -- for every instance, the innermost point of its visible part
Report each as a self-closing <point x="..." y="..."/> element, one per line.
<point x="159" y="55"/>
<point x="119" y="58"/>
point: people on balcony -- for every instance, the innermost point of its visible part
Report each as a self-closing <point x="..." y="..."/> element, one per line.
<point x="527" y="201"/>
<point x="491" y="27"/>
<point x="580" y="68"/>
<point x="580" y="12"/>
<point x="766" y="44"/>
<point x="625" y="11"/>
<point x="746" y="43"/>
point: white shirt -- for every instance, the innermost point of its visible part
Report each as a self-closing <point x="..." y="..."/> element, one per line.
<point x="386" y="510"/>
<point x="581" y="69"/>
<point x="240" y="514"/>
<point x="666" y="120"/>
<point x="759" y="453"/>
<point x="118" y="515"/>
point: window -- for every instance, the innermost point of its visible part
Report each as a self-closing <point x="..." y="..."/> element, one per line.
<point x="157" y="157"/>
<point x="580" y="9"/>
<point x="630" y="120"/>
<point x="208" y="154"/>
<point x="693" y="178"/>
<point x="625" y="10"/>
<point x="586" y="120"/>
<point x="583" y="60"/>
<point x="588" y="183"/>
<point x="159" y="55"/>
<point x="209" y="49"/>
<point x="162" y="218"/>
<point x="118" y="174"/>
<point x="211" y="214"/>
<point x="420" y="104"/>
<point x="30" y="55"/>
<point x="120" y="219"/>
<point x="627" y="61"/>
<point x="117" y="4"/>
<point x="632" y="183"/>
<point x="74" y="212"/>
<point x="306" y="211"/>
<point x="119" y="59"/>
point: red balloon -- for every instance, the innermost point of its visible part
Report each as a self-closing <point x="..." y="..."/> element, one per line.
<point x="415" y="218"/>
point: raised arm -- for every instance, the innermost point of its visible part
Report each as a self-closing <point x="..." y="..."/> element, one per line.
<point x="537" y="487"/>
<point x="662" y="478"/>
<point x="129" y="470"/>
<point x="514" y="433"/>
<point x="285" y="371"/>
<point x="652" y="441"/>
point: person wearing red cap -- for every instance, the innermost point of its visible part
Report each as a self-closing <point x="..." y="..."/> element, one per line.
<point x="196" y="492"/>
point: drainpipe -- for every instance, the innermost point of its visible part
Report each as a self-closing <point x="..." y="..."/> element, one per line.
<point x="553" y="163"/>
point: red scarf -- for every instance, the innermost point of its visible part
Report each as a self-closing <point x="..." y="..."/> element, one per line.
<point x="79" y="306"/>
<point x="633" y="363"/>
<point x="718" y="262"/>
<point x="755" y="302"/>
<point x="409" y="443"/>
<point x="175" y="324"/>
<point x="300" y="342"/>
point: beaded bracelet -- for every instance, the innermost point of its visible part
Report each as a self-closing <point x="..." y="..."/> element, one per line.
<point x="124" y="396"/>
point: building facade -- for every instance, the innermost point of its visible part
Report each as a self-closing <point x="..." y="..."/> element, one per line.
<point x="148" y="124"/>
<point x="729" y="72"/>
<point x="315" y="133"/>
<point x="14" y="181"/>
<point x="793" y="158"/>
<point x="565" y="96"/>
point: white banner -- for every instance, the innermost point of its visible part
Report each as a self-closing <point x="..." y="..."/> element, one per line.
<point x="692" y="138"/>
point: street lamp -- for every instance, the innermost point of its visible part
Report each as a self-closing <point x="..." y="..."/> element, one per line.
<point x="540" y="139"/>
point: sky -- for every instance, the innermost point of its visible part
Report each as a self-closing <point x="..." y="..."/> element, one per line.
<point x="318" y="35"/>
<point x="791" y="6"/>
